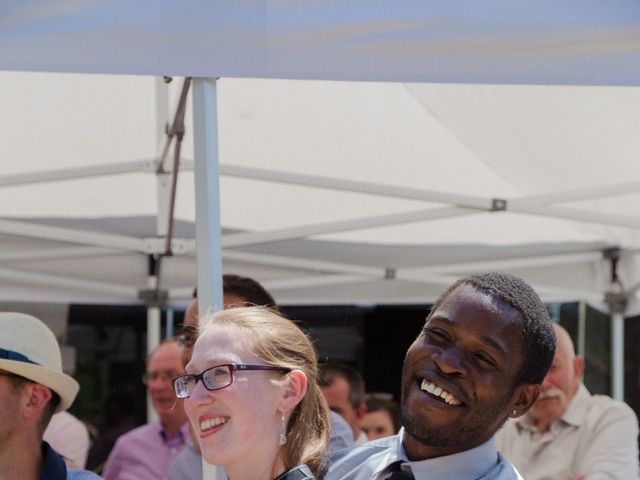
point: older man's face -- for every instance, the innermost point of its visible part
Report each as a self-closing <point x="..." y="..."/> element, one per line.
<point x="459" y="375"/>
<point x="561" y="382"/>
<point x="164" y="364"/>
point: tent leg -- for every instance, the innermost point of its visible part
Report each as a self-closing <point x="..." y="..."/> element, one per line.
<point x="208" y="242"/>
<point x="617" y="356"/>
<point x="153" y="339"/>
<point x="582" y="328"/>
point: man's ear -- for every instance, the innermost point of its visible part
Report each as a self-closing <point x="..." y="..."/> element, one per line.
<point x="578" y="367"/>
<point x="523" y="398"/>
<point x="35" y="399"/>
<point x="294" y="390"/>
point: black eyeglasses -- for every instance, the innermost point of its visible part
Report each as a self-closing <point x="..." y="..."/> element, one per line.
<point x="215" y="378"/>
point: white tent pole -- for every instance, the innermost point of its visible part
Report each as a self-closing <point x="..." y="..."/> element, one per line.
<point x="63" y="234"/>
<point x="617" y="356"/>
<point x="153" y="335"/>
<point x="580" y="194"/>
<point x="208" y="237"/>
<point x="616" y="299"/>
<point x="579" y="215"/>
<point x="582" y="328"/>
<point x="162" y="110"/>
<point x="254" y="238"/>
<point x="565" y="258"/>
<point x="81" y="284"/>
<point x="77" y="172"/>
<point x="207" y="188"/>
<point x="57" y="253"/>
<point x="346" y="185"/>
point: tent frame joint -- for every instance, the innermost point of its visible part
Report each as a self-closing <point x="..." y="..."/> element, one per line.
<point x="498" y="204"/>
<point x="154" y="297"/>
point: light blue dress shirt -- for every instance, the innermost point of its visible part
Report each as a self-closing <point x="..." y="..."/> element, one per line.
<point x="371" y="461"/>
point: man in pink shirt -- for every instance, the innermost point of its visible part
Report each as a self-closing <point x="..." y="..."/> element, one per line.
<point x="146" y="452"/>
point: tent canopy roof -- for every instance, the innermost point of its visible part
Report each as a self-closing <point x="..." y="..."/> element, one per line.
<point x="587" y="42"/>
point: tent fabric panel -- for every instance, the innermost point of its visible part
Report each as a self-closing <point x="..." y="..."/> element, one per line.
<point x="574" y="42"/>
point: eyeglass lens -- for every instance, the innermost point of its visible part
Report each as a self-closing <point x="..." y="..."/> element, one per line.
<point x="213" y="378"/>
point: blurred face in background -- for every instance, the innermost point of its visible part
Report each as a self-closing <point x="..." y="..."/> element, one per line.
<point x="377" y="424"/>
<point x="164" y="364"/>
<point x="560" y="384"/>
<point x="337" y="396"/>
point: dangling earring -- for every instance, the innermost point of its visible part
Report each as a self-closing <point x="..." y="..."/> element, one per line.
<point x="283" y="431"/>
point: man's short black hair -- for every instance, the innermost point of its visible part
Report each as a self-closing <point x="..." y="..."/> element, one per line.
<point x="329" y="371"/>
<point x="246" y="288"/>
<point x="538" y="337"/>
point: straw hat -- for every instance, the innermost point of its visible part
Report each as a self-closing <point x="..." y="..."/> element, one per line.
<point x="28" y="348"/>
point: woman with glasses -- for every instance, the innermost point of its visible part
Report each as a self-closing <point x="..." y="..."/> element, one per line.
<point x="252" y="396"/>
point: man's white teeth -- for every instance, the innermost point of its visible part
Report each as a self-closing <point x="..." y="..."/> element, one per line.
<point x="212" y="422"/>
<point x="433" y="389"/>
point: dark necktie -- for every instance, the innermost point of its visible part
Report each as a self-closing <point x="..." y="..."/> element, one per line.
<point x="396" y="473"/>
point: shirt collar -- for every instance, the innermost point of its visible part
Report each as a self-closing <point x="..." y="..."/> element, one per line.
<point x="53" y="466"/>
<point x="393" y="454"/>
<point x="182" y="434"/>
<point x="467" y="465"/>
<point x="577" y="411"/>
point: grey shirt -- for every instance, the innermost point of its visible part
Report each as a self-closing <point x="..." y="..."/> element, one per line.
<point x="596" y="437"/>
<point x="372" y="461"/>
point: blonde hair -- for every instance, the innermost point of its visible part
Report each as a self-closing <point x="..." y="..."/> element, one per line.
<point x="278" y="341"/>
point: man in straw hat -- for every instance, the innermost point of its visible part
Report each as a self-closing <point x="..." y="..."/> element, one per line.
<point x="32" y="389"/>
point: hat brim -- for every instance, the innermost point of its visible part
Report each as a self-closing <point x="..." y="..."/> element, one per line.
<point x="64" y="385"/>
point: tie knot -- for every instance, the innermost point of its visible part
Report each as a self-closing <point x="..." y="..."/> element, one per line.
<point x="399" y="471"/>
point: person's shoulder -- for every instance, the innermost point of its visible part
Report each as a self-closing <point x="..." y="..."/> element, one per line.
<point x="503" y="470"/>
<point x="73" y="474"/>
<point x="606" y="406"/>
<point x="361" y="460"/>
<point x="133" y="439"/>
<point x="142" y="431"/>
<point x="368" y="448"/>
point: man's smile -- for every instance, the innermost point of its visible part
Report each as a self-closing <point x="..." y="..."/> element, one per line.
<point x="440" y="393"/>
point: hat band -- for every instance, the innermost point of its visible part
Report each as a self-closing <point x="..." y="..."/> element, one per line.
<point x="16" y="356"/>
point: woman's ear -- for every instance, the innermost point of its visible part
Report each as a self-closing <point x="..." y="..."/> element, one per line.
<point x="294" y="390"/>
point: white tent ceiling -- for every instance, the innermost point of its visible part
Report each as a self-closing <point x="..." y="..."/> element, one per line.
<point x="410" y="169"/>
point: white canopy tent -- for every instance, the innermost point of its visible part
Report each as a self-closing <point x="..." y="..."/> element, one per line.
<point x="514" y="147"/>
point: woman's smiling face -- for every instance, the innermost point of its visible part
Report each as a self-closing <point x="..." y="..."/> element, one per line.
<point x="241" y="422"/>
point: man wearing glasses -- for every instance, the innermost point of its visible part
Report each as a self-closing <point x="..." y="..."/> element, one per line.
<point x="146" y="452"/>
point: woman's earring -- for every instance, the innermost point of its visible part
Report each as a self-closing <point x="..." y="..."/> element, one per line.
<point x="515" y="413"/>
<point x="283" y="431"/>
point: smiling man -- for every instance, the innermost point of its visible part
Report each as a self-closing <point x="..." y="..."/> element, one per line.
<point x="570" y="434"/>
<point x="480" y="358"/>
